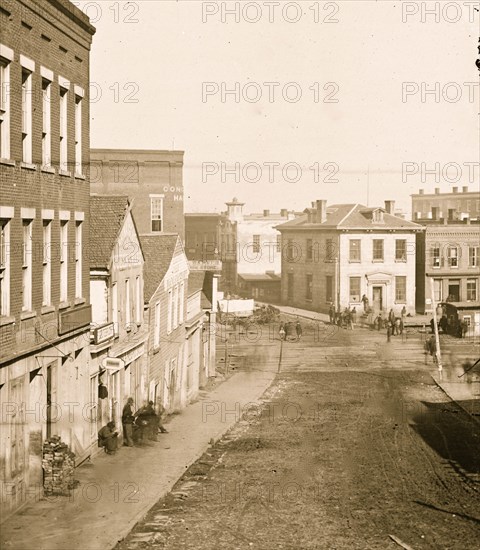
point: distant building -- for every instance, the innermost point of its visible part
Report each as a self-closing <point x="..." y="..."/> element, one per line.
<point x="250" y="245"/>
<point x="454" y="205"/>
<point x="152" y="179"/>
<point x="118" y="338"/>
<point x="202" y="236"/>
<point x="338" y="254"/>
<point x="449" y="250"/>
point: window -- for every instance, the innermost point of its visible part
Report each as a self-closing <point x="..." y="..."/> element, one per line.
<point x="400" y="289"/>
<point x="290" y="251"/>
<point x="377" y="216"/>
<point x="63" y="129"/>
<point x="309" y="287"/>
<point x="436" y="256"/>
<point x="175" y="307"/>
<point x="156" y="330"/>
<point x="256" y="244"/>
<point x="156" y="213"/>
<point x="78" y="260"/>
<point x="26" y="116"/>
<point x="329" y="288"/>
<point x="170" y="311"/>
<point x="46" y="123"/>
<point x="27" y="265"/>
<point x="473" y="256"/>
<point x="378" y="250"/>
<point x="355" y="250"/>
<point x="63" y="261"/>
<point x="128" y="319"/>
<point x="330" y="252"/>
<point x="115" y="307"/>
<point x="181" y="303"/>
<point x="47" y="263"/>
<point x="355" y="289"/>
<point x="453" y="256"/>
<point x="138" y="300"/>
<point x="400" y="250"/>
<point x="437" y="290"/>
<point x="279" y="243"/>
<point x="4" y="108"/>
<point x="78" y="135"/>
<point x="4" y="267"/>
<point x="309" y="250"/>
<point x="471" y="290"/>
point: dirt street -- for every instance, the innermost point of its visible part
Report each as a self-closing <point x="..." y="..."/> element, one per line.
<point x="354" y="447"/>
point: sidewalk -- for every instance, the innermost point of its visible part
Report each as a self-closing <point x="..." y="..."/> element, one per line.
<point x="116" y="491"/>
<point x="461" y="387"/>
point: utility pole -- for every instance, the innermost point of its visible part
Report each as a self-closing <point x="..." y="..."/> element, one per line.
<point x="435" y="327"/>
<point x="281" y="352"/>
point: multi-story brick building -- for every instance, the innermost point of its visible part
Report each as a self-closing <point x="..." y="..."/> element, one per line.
<point x="336" y="255"/>
<point x="449" y="250"/>
<point x="152" y="179"/>
<point x="451" y="206"/>
<point x="44" y="238"/>
<point x="118" y="343"/>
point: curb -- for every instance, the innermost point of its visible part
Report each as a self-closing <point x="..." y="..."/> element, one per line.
<point x="464" y="409"/>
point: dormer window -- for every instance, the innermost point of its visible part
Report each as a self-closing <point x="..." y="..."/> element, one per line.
<point x="377" y="216"/>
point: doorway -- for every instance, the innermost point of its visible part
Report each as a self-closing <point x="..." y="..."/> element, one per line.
<point x="377" y="294"/>
<point x="454" y="291"/>
<point x="51" y="396"/>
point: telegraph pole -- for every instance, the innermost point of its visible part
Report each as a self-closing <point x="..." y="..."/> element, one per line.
<point x="435" y="327"/>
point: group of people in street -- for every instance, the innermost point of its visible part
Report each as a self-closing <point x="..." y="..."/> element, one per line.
<point x="344" y="319"/>
<point x="290" y="331"/>
<point x="394" y="324"/>
<point x="138" y="427"/>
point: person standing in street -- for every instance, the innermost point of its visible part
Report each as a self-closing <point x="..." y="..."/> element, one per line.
<point x="161" y="415"/>
<point x="354" y="316"/>
<point x="127" y="423"/>
<point x="281" y="331"/>
<point x="331" y="314"/>
<point x="389" y="332"/>
<point x="298" y="329"/>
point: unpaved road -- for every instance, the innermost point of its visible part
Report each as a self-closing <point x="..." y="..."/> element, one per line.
<point x="354" y="443"/>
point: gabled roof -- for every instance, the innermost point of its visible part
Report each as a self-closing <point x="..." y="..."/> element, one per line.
<point x="158" y="251"/>
<point x="350" y="216"/>
<point x="107" y="214"/>
<point x="196" y="280"/>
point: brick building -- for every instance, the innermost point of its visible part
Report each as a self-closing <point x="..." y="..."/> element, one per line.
<point x="338" y="254"/>
<point x="44" y="238"/>
<point x="118" y="339"/>
<point x="202" y="236"/>
<point x="152" y="179"/>
<point x="454" y="205"/>
<point x="449" y="250"/>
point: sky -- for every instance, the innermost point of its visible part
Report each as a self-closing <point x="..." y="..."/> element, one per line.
<point x="343" y="118"/>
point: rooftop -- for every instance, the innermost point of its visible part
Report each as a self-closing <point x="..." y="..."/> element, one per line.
<point x="158" y="251"/>
<point x="107" y="214"/>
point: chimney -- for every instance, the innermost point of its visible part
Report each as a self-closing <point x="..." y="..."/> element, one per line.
<point x="390" y="207"/>
<point x="284" y="212"/>
<point x="266" y="213"/>
<point x="420" y="191"/>
<point x="313" y="204"/>
<point x="291" y="215"/>
<point x="437" y="190"/>
<point x="465" y="189"/>
<point x="321" y="211"/>
<point x="454" y="189"/>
